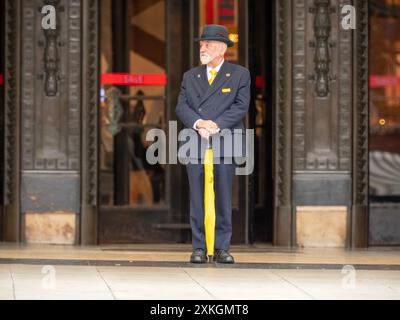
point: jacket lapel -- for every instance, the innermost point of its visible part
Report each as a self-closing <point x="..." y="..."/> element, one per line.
<point x="223" y="75"/>
<point x="201" y="80"/>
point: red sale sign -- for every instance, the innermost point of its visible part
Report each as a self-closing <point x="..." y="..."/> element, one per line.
<point x="127" y="79"/>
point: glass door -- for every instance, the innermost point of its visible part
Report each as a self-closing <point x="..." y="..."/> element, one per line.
<point x="133" y="102"/>
<point x="384" y="138"/>
<point x="136" y="205"/>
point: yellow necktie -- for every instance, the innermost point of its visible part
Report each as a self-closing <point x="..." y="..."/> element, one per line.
<point x="213" y="75"/>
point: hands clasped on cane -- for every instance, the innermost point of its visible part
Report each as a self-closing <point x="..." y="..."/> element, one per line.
<point x="207" y="128"/>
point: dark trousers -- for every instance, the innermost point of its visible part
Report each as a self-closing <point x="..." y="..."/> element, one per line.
<point x="223" y="176"/>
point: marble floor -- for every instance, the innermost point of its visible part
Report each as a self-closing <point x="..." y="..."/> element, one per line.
<point x="162" y="272"/>
<point x="59" y="282"/>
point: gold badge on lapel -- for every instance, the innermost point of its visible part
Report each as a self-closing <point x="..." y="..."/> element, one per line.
<point x="226" y="90"/>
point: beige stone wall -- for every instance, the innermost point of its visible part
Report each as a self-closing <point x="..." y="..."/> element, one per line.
<point x="50" y="228"/>
<point x="320" y="226"/>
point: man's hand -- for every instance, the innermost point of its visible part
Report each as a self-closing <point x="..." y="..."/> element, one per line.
<point x="209" y="125"/>
<point x="204" y="133"/>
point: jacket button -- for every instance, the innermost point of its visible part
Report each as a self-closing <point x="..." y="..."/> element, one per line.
<point x="200" y="109"/>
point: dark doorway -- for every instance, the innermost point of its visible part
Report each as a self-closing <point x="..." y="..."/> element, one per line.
<point x="260" y="117"/>
<point x="250" y="27"/>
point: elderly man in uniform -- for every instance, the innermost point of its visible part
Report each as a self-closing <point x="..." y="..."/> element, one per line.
<point x="214" y="99"/>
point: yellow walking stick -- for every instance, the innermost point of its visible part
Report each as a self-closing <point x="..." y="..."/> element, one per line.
<point x="209" y="201"/>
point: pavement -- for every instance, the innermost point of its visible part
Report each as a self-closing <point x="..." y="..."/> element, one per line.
<point x="163" y="273"/>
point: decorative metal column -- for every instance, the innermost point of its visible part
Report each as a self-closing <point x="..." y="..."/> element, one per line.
<point x="11" y="123"/>
<point x="359" y="210"/>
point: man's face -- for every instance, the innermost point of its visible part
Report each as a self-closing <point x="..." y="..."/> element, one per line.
<point x="209" y="50"/>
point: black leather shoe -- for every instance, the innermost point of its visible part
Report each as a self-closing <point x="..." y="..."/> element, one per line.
<point x="198" y="256"/>
<point x="223" y="256"/>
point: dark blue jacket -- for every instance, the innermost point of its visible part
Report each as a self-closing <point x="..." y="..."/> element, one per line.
<point x="225" y="102"/>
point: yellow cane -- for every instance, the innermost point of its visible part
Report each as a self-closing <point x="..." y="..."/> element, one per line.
<point x="209" y="201"/>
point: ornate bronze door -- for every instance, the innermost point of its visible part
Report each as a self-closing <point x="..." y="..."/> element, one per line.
<point x="51" y="122"/>
<point x="321" y="124"/>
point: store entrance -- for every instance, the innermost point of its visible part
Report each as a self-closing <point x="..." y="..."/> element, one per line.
<point x="145" y="48"/>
